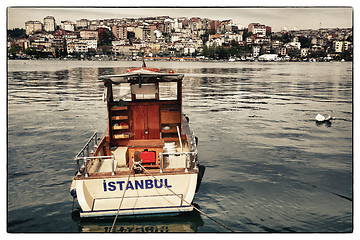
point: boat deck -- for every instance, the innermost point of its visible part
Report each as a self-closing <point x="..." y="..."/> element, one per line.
<point x="123" y="158"/>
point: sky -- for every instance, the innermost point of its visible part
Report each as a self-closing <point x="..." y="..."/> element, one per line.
<point x="278" y="18"/>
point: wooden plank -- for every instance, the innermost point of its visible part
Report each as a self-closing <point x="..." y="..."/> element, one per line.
<point x="120" y="136"/>
<point x="146" y="143"/>
<point x="153" y="122"/>
<point x="119" y="108"/>
<point x="120" y="127"/>
<point x="139" y="117"/>
<point x="170" y="139"/>
<point x="170" y="116"/>
<point x="119" y="117"/>
<point x="169" y="131"/>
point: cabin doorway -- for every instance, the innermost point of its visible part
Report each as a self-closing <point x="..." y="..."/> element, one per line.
<point x="146" y="121"/>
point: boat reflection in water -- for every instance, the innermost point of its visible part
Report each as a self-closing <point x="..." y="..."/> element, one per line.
<point x="185" y="222"/>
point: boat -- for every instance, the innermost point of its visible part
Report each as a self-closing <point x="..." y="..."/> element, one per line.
<point x="146" y="160"/>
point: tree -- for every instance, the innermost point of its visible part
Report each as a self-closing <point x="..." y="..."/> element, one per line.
<point x="317" y="54"/>
<point x="247" y="33"/>
<point x="105" y="36"/>
<point x="60" y="52"/>
<point x="305" y="42"/>
<point x="205" y="51"/>
<point x="294" y="52"/>
<point x="347" y="55"/>
<point x="234" y="43"/>
<point x="105" y="49"/>
<point x="222" y="53"/>
<point x="286" y="37"/>
<point x="205" y="37"/>
<point x="16" y="33"/>
<point x="15" y="48"/>
<point x="233" y="51"/>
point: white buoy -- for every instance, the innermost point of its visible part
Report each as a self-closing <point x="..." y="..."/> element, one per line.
<point x="320" y="118"/>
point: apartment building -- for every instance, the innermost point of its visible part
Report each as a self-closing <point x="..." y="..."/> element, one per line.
<point x="67" y="26"/>
<point x="49" y="24"/>
<point x="276" y="44"/>
<point x="347" y="45"/>
<point x="120" y="42"/>
<point x="32" y="27"/>
<point x="155" y="47"/>
<point x="89" y="34"/>
<point x="256" y="50"/>
<point x="58" y="44"/>
<point x="338" y="46"/>
<point x="41" y="44"/>
<point x="91" y="43"/>
<point x="318" y="41"/>
<point x="144" y="33"/>
<point x="296" y="45"/>
<point x="124" y="50"/>
<point x="120" y="31"/>
<point x="282" y="51"/>
<point x="341" y="46"/>
<point x="215" y="42"/>
<point x="77" y="46"/>
<point x="138" y="45"/>
<point x="82" y="23"/>
<point x="249" y="40"/>
<point x="257" y="28"/>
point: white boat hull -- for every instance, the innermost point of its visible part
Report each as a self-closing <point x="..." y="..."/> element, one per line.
<point x="143" y="194"/>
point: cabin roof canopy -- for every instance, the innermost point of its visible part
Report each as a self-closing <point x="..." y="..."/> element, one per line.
<point x="142" y="75"/>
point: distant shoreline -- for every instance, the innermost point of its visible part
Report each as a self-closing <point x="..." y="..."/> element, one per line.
<point x="178" y="59"/>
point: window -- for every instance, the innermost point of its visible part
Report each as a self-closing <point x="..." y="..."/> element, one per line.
<point x="146" y="91"/>
<point x="122" y="92"/>
<point x="168" y="90"/>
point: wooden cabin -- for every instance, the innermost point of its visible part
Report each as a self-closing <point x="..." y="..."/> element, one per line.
<point x="144" y="115"/>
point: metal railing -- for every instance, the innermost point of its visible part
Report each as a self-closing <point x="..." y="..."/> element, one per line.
<point x="93" y="140"/>
<point x="85" y="155"/>
<point x="193" y="151"/>
<point x="194" y="142"/>
<point x="86" y="160"/>
<point x="187" y="154"/>
<point x="86" y="152"/>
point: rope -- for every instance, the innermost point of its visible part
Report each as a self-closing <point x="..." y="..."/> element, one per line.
<point x="221" y="224"/>
<point x="112" y="227"/>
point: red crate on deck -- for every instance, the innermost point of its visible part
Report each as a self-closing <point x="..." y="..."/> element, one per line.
<point x="148" y="157"/>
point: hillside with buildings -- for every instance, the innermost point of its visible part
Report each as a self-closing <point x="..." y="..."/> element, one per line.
<point x="164" y="37"/>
